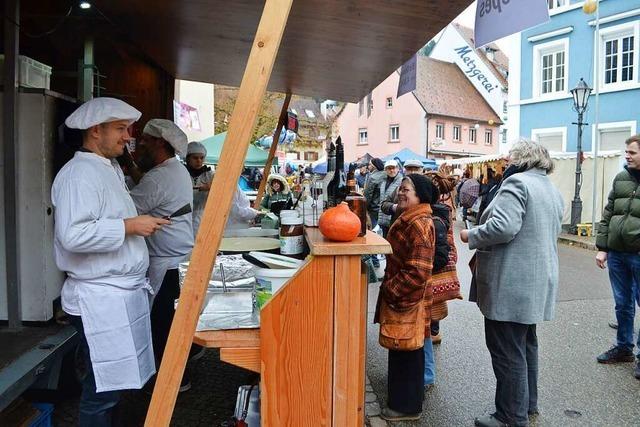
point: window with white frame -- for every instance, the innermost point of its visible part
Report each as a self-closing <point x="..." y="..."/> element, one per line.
<point x="614" y="134"/>
<point x="389" y="102"/>
<point x="488" y="137"/>
<point x="619" y="47"/>
<point x="439" y="130"/>
<point x="554" y="4"/>
<point x="550" y="68"/>
<point x="552" y="72"/>
<point x="394" y="133"/>
<point x="456" y="132"/>
<point x="553" y="139"/>
<point x="363" y="136"/>
<point x="472" y="135"/>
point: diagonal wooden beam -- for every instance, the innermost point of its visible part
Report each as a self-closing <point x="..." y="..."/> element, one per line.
<point x="272" y="150"/>
<point x="252" y="89"/>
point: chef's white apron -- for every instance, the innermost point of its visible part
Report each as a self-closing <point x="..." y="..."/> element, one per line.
<point x="118" y="330"/>
<point x="158" y="266"/>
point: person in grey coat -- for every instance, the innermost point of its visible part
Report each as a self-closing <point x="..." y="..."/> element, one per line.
<point x="372" y="189"/>
<point x="387" y="187"/>
<point x="516" y="278"/>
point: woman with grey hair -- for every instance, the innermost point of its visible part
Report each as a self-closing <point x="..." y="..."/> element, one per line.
<point x="516" y="278"/>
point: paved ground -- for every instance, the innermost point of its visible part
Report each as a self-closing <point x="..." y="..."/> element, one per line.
<point x="210" y="401"/>
<point x="574" y="389"/>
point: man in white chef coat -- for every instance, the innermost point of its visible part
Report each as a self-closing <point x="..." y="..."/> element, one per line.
<point x="164" y="188"/>
<point x="99" y="243"/>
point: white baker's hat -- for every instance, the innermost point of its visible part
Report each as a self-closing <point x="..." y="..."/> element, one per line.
<point x="390" y="164"/>
<point x="170" y="132"/>
<point x="413" y="163"/>
<point x="101" y="110"/>
<point x="196" y="147"/>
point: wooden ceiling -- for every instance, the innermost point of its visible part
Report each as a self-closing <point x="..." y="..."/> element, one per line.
<point x="336" y="49"/>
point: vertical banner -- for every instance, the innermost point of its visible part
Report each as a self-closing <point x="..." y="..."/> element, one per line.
<point x="407" y="81"/>
<point x="496" y="19"/>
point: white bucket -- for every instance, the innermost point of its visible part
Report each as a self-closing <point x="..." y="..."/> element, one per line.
<point x="269" y="280"/>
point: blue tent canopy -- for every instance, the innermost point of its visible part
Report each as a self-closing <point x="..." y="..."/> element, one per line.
<point x="320" y="168"/>
<point x="406" y="154"/>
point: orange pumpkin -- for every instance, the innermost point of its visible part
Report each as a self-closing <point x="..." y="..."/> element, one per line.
<point x="339" y="224"/>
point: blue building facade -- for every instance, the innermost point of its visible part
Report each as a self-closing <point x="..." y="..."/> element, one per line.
<point x="549" y="60"/>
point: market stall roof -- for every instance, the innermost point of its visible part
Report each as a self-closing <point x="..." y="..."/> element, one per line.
<point x="331" y="48"/>
<point x="255" y="156"/>
<point x="406" y="154"/>
<point x="478" y="159"/>
<point x="554" y="155"/>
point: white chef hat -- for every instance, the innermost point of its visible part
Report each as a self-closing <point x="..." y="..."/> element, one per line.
<point x="196" y="147"/>
<point x="170" y="132"/>
<point x="413" y="163"/>
<point x="101" y="110"/>
<point x="390" y="164"/>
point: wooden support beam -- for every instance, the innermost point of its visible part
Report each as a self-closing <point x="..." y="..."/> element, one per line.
<point x="252" y="89"/>
<point x="231" y="338"/>
<point x="244" y="357"/>
<point x="272" y="150"/>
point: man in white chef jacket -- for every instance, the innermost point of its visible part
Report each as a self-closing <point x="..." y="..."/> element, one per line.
<point x="164" y="188"/>
<point x="99" y="243"/>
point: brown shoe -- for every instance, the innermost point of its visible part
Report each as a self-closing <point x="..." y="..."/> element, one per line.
<point x="391" y="415"/>
<point x="436" y="339"/>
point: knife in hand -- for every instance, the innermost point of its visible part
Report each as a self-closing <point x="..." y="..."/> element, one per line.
<point x="182" y="211"/>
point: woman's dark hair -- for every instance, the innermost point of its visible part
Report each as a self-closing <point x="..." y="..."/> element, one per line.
<point x="425" y="190"/>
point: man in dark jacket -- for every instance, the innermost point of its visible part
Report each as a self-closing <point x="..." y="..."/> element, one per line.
<point x="372" y="189"/>
<point x="618" y="245"/>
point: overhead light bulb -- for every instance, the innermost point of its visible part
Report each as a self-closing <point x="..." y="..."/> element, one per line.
<point x="85" y="5"/>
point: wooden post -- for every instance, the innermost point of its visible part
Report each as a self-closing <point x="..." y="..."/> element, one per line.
<point x="272" y="150"/>
<point x="252" y="89"/>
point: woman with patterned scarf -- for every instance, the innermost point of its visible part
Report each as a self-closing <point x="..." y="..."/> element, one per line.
<point x="405" y="286"/>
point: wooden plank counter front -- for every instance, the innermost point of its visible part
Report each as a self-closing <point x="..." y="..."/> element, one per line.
<point x="311" y="341"/>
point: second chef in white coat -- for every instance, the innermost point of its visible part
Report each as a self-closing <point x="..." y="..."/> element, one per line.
<point x="164" y="189"/>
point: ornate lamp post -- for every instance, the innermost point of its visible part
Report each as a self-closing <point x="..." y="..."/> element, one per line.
<point x="580" y="100"/>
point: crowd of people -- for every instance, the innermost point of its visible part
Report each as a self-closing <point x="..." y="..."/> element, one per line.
<point x="515" y="270"/>
<point x="120" y="239"/>
<point x="416" y="210"/>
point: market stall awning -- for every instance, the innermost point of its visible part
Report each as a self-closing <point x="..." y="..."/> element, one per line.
<point x="478" y="159"/>
<point x="406" y="154"/>
<point x="330" y="48"/>
<point x="255" y="156"/>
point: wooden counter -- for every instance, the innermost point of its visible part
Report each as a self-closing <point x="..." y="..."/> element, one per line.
<point x="371" y="243"/>
<point x="311" y="346"/>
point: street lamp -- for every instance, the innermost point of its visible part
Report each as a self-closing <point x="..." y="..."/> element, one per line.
<point x="580" y="100"/>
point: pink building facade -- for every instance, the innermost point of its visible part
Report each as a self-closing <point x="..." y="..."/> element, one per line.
<point x="444" y="118"/>
<point x="382" y="124"/>
<point x="451" y="138"/>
